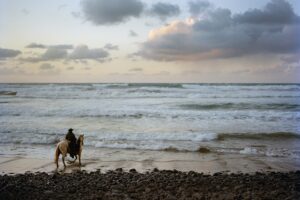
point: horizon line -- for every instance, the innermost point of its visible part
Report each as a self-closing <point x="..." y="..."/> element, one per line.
<point x="149" y="82"/>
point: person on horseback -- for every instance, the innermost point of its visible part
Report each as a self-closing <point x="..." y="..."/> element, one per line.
<point x="72" y="145"/>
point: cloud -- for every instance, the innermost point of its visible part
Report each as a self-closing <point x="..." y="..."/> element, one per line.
<point x="62" y="6"/>
<point x="25" y="11"/>
<point x="198" y="7"/>
<point x="219" y="34"/>
<point x="164" y="10"/>
<point x="50" y="54"/>
<point x="86" y="68"/>
<point x="102" y="12"/>
<point x="189" y="72"/>
<point x="76" y="14"/>
<point x="36" y="46"/>
<point x="48" y="69"/>
<point x="6" y="71"/>
<point x="79" y="53"/>
<point x="46" y="66"/>
<point x="242" y="71"/>
<point x="61" y="46"/>
<point x="110" y="46"/>
<point x="136" y="69"/>
<point x="11" y="71"/>
<point x="43" y="46"/>
<point x="279" y="70"/>
<point x="8" y="53"/>
<point x="83" y="52"/>
<point x="291" y="59"/>
<point x="132" y="33"/>
<point x="133" y="56"/>
<point x="275" y="12"/>
<point x="162" y="73"/>
<point x="53" y="54"/>
<point x="70" y="68"/>
<point x="83" y="62"/>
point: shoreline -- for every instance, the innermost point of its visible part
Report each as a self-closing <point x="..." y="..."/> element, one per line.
<point x="120" y="175"/>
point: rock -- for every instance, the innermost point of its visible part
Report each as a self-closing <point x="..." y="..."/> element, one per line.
<point x="48" y="192"/>
<point x="165" y="184"/>
<point x="119" y="170"/>
<point x="132" y="171"/>
<point x="203" y="150"/>
<point x="155" y="170"/>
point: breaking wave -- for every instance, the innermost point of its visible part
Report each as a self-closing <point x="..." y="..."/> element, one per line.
<point x="189" y="136"/>
<point x="163" y="85"/>
<point x="139" y="85"/>
<point x="120" y="140"/>
<point x="259" y="136"/>
<point x="241" y="106"/>
<point x="8" y="93"/>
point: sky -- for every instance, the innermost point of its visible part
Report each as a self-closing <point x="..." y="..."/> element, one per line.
<point x="196" y="41"/>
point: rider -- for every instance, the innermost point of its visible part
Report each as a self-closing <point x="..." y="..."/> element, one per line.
<point x="72" y="146"/>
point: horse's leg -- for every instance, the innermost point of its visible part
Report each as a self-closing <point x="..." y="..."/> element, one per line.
<point x="57" y="153"/>
<point x="63" y="159"/>
<point x="79" y="158"/>
<point x="56" y="161"/>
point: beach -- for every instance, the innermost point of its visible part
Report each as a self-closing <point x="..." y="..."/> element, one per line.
<point x="207" y="162"/>
<point x="166" y="184"/>
<point x="212" y="176"/>
<point x="196" y="99"/>
<point x="151" y="141"/>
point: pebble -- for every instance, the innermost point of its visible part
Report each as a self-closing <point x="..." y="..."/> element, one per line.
<point x="164" y="184"/>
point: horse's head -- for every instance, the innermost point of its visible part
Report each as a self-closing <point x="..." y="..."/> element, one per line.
<point x="80" y="139"/>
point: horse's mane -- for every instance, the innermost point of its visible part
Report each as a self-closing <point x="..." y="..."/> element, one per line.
<point x="78" y="142"/>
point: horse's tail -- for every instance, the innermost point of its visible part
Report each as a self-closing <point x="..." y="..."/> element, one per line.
<point x="56" y="156"/>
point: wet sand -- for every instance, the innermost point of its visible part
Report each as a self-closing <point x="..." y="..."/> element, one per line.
<point x="206" y="163"/>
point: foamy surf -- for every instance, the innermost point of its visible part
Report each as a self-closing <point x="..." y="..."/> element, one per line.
<point x="189" y="136"/>
<point x="246" y="119"/>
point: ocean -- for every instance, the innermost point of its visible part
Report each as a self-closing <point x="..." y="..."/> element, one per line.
<point x="251" y="119"/>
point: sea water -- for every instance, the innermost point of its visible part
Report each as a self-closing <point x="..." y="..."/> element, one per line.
<point x="252" y="119"/>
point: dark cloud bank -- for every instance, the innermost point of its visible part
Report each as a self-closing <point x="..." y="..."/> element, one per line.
<point x="103" y="12"/>
<point x="132" y="33"/>
<point x="110" y="46"/>
<point x="198" y="7"/>
<point x="274" y="29"/>
<point x="43" y="46"/>
<point x="80" y="52"/>
<point x="164" y="10"/>
<point x="8" y="53"/>
<point x="46" y="66"/>
<point x="83" y="52"/>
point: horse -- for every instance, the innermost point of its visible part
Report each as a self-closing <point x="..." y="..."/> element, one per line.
<point x="63" y="146"/>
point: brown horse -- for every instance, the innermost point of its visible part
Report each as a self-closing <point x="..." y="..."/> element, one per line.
<point x="63" y="146"/>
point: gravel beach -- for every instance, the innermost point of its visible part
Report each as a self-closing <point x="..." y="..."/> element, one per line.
<point x="157" y="184"/>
